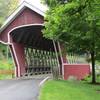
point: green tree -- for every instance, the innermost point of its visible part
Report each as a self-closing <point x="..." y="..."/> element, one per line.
<point x="53" y="3"/>
<point x="76" y="23"/>
<point x="6" y="7"/>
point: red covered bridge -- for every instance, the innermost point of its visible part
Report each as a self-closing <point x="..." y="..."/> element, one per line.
<point x="32" y="53"/>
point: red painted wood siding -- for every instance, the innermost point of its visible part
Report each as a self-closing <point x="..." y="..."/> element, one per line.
<point x="20" y="56"/>
<point x="80" y="71"/>
<point x="16" y="69"/>
<point x="26" y="17"/>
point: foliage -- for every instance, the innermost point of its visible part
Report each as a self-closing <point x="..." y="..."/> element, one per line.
<point x="53" y="3"/>
<point x="64" y="90"/>
<point x="88" y="79"/>
<point x="6" y="7"/>
<point x="67" y="23"/>
<point x="6" y="65"/>
<point x="76" y="58"/>
<point x="77" y="24"/>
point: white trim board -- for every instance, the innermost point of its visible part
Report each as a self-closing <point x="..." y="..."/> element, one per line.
<point x="18" y="11"/>
<point x="21" y="26"/>
<point x="5" y="43"/>
<point x="19" y="71"/>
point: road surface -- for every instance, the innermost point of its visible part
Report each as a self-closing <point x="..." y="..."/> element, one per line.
<point x="19" y="89"/>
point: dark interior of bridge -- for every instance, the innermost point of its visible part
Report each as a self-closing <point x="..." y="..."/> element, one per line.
<point x="31" y="36"/>
<point x="39" y="51"/>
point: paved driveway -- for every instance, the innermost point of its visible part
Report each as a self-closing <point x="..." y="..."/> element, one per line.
<point x="19" y="89"/>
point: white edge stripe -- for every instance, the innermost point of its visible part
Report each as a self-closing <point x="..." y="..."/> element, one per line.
<point x="74" y="64"/>
<point x="42" y="82"/>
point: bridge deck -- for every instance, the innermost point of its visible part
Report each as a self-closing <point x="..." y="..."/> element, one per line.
<point x="20" y="89"/>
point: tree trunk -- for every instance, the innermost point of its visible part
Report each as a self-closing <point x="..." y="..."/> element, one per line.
<point x="93" y="67"/>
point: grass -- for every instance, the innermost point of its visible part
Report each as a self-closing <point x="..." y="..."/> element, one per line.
<point x="64" y="90"/>
<point x="89" y="79"/>
<point x="6" y="65"/>
<point x="2" y="77"/>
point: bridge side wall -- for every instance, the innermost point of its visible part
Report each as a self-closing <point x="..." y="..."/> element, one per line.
<point x="17" y="51"/>
<point x="78" y="71"/>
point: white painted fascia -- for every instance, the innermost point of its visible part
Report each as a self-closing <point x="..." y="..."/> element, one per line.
<point x="21" y="26"/>
<point x="5" y="43"/>
<point x="18" y="11"/>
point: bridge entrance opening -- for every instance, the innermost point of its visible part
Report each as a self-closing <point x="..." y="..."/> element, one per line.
<point x="39" y="53"/>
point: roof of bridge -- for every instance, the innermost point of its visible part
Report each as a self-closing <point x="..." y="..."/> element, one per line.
<point x="19" y="9"/>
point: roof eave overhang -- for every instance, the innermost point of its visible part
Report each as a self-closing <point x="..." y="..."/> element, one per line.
<point x="18" y="11"/>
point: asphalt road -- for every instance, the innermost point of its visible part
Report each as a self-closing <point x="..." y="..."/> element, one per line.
<point x="19" y="89"/>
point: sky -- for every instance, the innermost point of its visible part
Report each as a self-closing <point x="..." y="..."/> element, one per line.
<point x="36" y="3"/>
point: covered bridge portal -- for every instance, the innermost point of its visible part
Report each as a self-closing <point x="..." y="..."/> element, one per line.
<point x="32" y="53"/>
<point x="37" y="54"/>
